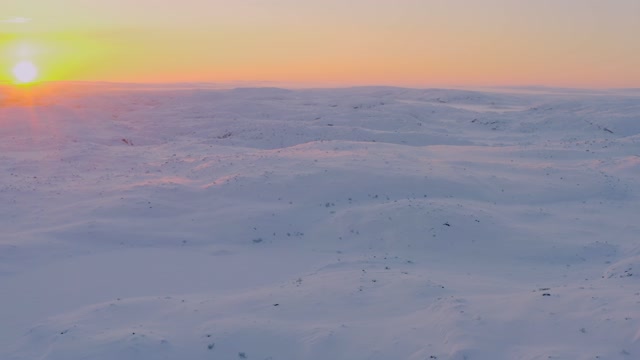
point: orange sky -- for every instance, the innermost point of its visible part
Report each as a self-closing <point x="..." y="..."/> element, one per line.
<point x="577" y="43"/>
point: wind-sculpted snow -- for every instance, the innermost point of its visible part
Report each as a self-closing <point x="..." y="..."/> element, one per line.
<point x="365" y="223"/>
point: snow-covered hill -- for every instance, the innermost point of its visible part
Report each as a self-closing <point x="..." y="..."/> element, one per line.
<point x="364" y="223"/>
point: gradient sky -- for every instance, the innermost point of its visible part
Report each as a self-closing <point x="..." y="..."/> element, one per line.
<point x="577" y="43"/>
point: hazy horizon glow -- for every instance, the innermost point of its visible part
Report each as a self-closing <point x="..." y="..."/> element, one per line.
<point x="576" y="43"/>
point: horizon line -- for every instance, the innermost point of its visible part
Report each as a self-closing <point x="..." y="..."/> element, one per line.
<point x="312" y="85"/>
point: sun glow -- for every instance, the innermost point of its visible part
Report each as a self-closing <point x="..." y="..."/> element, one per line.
<point x="25" y="72"/>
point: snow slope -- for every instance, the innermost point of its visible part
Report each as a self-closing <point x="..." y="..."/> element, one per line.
<point x="364" y="223"/>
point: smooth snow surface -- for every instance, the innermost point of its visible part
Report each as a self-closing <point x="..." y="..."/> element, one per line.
<point x="364" y="223"/>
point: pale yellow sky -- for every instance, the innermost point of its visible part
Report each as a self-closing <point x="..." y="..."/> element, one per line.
<point x="578" y="43"/>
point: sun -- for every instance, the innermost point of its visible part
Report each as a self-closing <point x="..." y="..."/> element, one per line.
<point x="25" y="72"/>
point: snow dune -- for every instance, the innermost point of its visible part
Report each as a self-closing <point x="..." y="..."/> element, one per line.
<point x="363" y="223"/>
